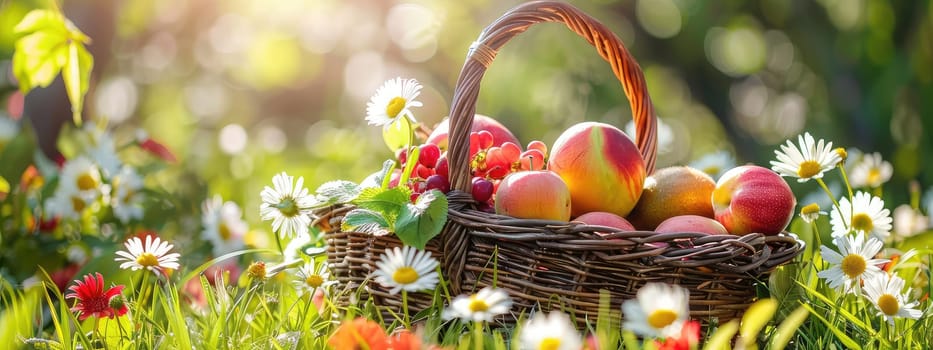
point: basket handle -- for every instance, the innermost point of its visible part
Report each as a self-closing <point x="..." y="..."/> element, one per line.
<point x="515" y="21"/>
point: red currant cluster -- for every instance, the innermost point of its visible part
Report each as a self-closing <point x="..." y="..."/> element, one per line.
<point x="489" y="164"/>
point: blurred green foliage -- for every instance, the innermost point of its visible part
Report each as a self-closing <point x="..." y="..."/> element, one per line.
<point x="241" y="90"/>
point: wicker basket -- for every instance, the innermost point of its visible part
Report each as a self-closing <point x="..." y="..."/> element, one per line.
<point x="559" y="265"/>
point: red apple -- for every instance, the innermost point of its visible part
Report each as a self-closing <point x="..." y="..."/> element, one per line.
<point x="751" y="198"/>
<point x="533" y="195"/>
<point x="691" y="223"/>
<point x="500" y="134"/>
<point x="602" y="167"/>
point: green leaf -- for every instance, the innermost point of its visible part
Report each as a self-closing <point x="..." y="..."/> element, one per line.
<point x="363" y="220"/>
<point x="51" y="44"/>
<point x="722" y="337"/>
<point x="409" y="166"/>
<point x="387" y="202"/>
<point x="398" y="134"/>
<point x="37" y="20"/>
<point x="419" y="222"/>
<point x="4" y="186"/>
<point x="848" y="342"/>
<point x="756" y="317"/>
<point x="77" y="74"/>
<point x="38" y="59"/>
<point x="339" y="191"/>
<point x="788" y="327"/>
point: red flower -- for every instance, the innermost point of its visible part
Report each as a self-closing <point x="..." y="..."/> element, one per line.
<point x="93" y="300"/>
<point x="351" y="334"/>
<point x="404" y="340"/>
<point x="157" y="149"/>
<point x="689" y="338"/>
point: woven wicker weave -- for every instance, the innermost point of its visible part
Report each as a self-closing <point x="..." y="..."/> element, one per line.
<point x="548" y="264"/>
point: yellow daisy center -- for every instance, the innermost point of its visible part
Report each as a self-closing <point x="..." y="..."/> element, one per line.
<point x="661" y="318"/>
<point x="810" y="209"/>
<point x="712" y="170"/>
<point x="147" y="259"/>
<point x="86" y="181"/>
<point x="478" y="305"/>
<point x="224" y="231"/>
<point x="888" y="304"/>
<point x="288" y="207"/>
<point x="874" y="176"/>
<point x="841" y="152"/>
<point x="808" y="169"/>
<point x="314" y="281"/>
<point x="853" y="265"/>
<point x="395" y="106"/>
<point x="862" y="222"/>
<point x="405" y="275"/>
<point x="549" y="344"/>
<point x="77" y="204"/>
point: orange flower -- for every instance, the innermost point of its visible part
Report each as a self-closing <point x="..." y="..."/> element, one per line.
<point x="359" y="334"/>
<point x="404" y="340"/>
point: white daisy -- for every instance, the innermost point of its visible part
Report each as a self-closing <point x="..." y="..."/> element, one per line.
<point x="659" y="310"/>
<point x="866" y="214"/>
<point x="100" y="147"/>
<point x="287" y="206"/>
<point x="807" y="161"/>
<point x="853" y="263"/>
<point x="482" y="306"/>
<point x="908" y="222"/>
<point x="126" y="200"/>
<point x="714" y="164"/>
<point x="223" y="225"/>
<point x="811" y="212"/>
<point x="296" y="248"/>
<point x="152" y="256"/>
<point x="69" y="203"/>
<point x="312" y="278"/>
<point x="553" y="331"/>
<point x="392" y="101"/>
<point x="886" y="293"/>
<point x="871" y="171"/>
<point x="79" y="186"/>
<point x="406" y="268"/>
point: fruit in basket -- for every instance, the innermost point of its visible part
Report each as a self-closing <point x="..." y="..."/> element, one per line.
<point x="673" y="191"/>
<point x="601" y="218"/>
<point x="691" y="223"/>
<point x="500" y="134"/>
<point x="601" y="166"/>
<point x="751" y="198"/>
<point x="537" y="194"/>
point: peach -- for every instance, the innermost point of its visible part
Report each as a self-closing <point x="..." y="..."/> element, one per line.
<point x="601" y="166"/>
<point x="601" y="218"/>
<point x="533" y="195"/>
<point x="672" y="191"/>
<point x="691" y="223"/>
<point x="500" y="134"/>
<point x="751" y="198"/>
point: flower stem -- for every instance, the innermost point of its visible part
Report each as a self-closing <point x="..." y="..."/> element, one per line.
<point x="406" y="319"/>
<point x="833" y="198"/>
<point x="478" y="335"/>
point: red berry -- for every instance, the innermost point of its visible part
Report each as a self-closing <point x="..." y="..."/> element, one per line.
<point x="428" y="155"/>
<point x="437" y="182"/>
<point x="482" y="189"/>
<point x="402" y="156"/>
<point x="442" y="168"/>
<point x="422" y="171"/>
<point x="414" y="196"/>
